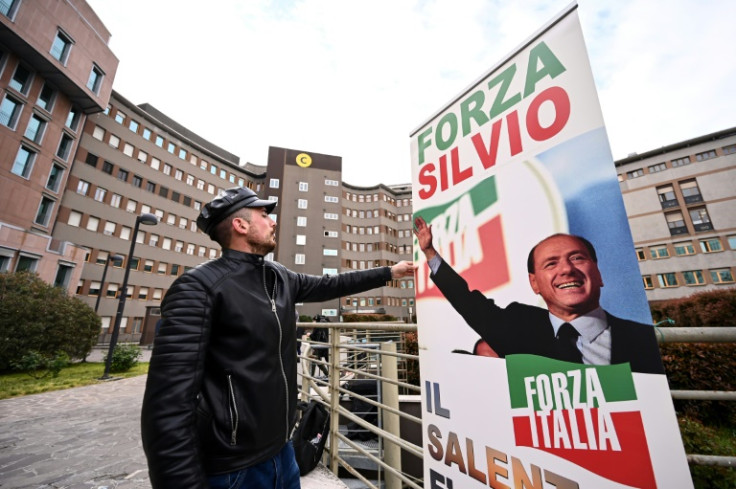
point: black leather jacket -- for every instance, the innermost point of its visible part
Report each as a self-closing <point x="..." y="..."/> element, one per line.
<point x="222" y="387"/>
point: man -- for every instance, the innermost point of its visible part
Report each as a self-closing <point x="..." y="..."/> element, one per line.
<point x="220" y="399"/>
<point x="562" y="269"/>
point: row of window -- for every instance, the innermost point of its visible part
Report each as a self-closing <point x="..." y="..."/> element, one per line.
<point x="23" y="261"/>
<point x="379" y="245"/>
<point x="377" y="301"/>
<point x="689" y="278"/>
<point x="685" y="160"/>
<point x="699" y="219"/>
<point x="369" y="214"/>
<point x="170" y="146"/>
<point x="687" y="188"/>
<point x="683" y="248"/>
<point x="367" y="198"/>
<point x="111" y="228"/>
<point x="373" y="230"/>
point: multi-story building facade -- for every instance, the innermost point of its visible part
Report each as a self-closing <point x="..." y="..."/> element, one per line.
<point x="134" y="160"/>
<point x="55" y="69"/>
<point x="326" y="226"/>
<point x="681" y="205"/>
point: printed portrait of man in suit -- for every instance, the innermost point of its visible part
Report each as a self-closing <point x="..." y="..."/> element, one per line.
<point x="563" y="270"/>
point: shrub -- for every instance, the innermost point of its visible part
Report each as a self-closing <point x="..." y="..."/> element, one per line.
<point x="124" y="357"/>
<point x="411" y="347"/>
<point x="714" y="308"/>
<point x="38" y="365"/>
<point x="37" y="317"/>
<point x="703" y="440"/>
<point x="366" y="318"/>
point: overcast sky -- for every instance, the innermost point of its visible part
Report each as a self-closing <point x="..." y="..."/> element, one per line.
<point x="355" y="78"/>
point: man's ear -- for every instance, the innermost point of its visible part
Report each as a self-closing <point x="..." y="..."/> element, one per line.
<point x="240" y="225"/>
<point x="533" y="283"/>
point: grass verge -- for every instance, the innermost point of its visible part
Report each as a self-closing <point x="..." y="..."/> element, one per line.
<point x="75" y="375"/>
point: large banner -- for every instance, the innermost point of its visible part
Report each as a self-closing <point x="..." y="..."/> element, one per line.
<point x="539" y="362"/>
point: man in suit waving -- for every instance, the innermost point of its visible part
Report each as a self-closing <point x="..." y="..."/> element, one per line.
<point x="563" y="270"/>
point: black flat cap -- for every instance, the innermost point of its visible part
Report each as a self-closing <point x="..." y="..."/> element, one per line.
<point x="233" y="199"/>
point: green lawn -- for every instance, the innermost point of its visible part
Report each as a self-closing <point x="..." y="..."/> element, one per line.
<point x="76" y="375"/>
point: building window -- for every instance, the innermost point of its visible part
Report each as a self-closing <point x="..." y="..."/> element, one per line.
<point x="706" y="155"/>
<point x="331" y="216"/>
<point x="23" y="163"/>
<point x="100" y="194"/>
<point x="732" y="241"/>
<point x="658" y="167"/>
<point x="26" y="263"/>
<point x="690" y="191"/>
<point x="301" y="203"/>
<point x="648" y="283"/>
<point x="131" y="206"/>
<point x="331" y="234"/>
<point x="95" y="79"/>
<point x="273" y="183"/>
<point x="75" y="218"/>
<point x="115" y="200"/>
<point x="137" y="181"/>
<point x="329" y="252"/>
<point x="9" y="7"/>
<point x="693" y="277"/>
<point x="684" y="248"/>
<point x="120" y="117"/>
<point x="640" y="254"/>
<point x="35" y="129"/>
<point x="667" y="280"/>
<point x="112" y="290"/>
<point x="143" y="293"/>
<point x="46" y="98"/>
<point x="45" y="209"/>
<point x="55" y="176"/>
<point x="148" y="265"/>
<point x="659" y="252"/>
<point x="147" y="133"/>
<point x="65" y="147"/>
<point x="109" y="228"/>
<point x="303" y="187"/>
<point x="155" y="163"/>
<point x="730" y="149"/>
<point x="107" y="167"/>
<point x="159" y="141"/>
<point x="299" y="259"/>
<point x="301" y="239"/>
<point x="667" y="196"/>
<point x="171" y="147"/>
<point x="676" y="223"/>
<point x="123" y="175"/>
<point x="72" y="119"/>
<point x="114" y="141"/>
<point x="331" y="183"/>
<point x="700" y="218"/>
<point x="710" y="245"/>
<point x="133" y="126"/>
<point x="93" y="223"/>
<point x="21" y="80"/>
<point x="301" y="221"/>
<point x="98" y="133"/>
<point x="10" y="111"/>
<point x="721" y="276"/>
<point x="681" y="162"/>
<point x="128" y="149"/>
<point x="61" y="46"/>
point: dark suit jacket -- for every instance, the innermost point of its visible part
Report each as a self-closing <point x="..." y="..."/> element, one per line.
<point x="521" y="328"/>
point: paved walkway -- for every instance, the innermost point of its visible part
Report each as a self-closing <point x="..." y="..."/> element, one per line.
<point x="85" y="438"/>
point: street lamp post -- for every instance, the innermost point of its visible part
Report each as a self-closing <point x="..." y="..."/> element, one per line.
<point x="149" y="220"/>
<point x="104" y="274"/>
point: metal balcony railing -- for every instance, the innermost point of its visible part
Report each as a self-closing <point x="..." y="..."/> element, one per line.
<point x="376" y="413"/>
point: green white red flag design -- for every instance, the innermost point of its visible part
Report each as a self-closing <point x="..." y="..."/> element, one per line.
<point x="586" y="414"/>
